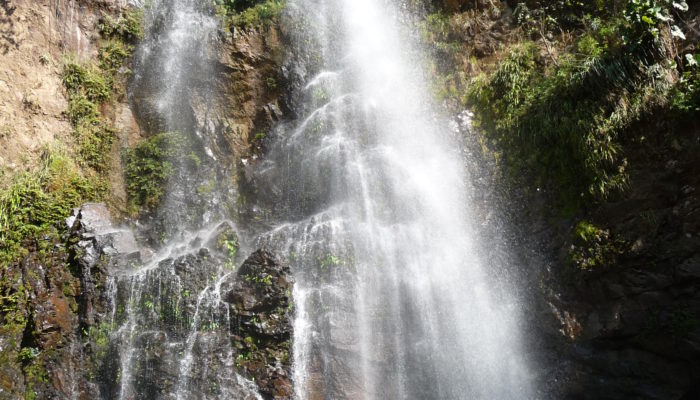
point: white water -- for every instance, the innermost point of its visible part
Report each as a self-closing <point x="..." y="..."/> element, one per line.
<point x="392" y="299"/>
<point x="171" y="328"/>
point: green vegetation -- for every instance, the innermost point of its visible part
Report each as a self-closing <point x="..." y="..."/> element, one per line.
<point x="128" y="27"/>
<point x="148" y="168"/>
<point x="564" y="122"/>
<point x="563" y="112"/>
<point x="87" y="81"/>
<point x="259" y="279"/>
<point x="36" y="203"/>
<point x="231" y="251"/>
<point x="251" y="13"/>
<point x="90" y="86"/>
<point x="593" y="247"/>
<point x="87" y="88"/>
<point x="329" y="261"/>
<point x="113" y="56"/>
<point x="566" y="93"/>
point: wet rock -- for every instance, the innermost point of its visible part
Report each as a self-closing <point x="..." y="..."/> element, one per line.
<point x="92" y="224"/>
<point x="260" y="298"/>
<point x="92" y="219"/>
<point x="222" y="238"/>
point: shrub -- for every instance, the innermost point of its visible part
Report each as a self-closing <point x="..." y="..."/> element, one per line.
<point x="36" y="203"/>
<point x="87" y="81"/>
<point x="593" y="247"/>
<point x="80" y="110"/>
<point x="261" y="14"/>
<point x="113" y="55"/>
<point x="148" y="168"/>
<point x="95" y="142"/>
<point x="128" y="27"/>
<point x="564" y="122"/>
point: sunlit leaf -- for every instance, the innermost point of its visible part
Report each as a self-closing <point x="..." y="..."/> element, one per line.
<point x="680" y="5"/>
<point x="677" y="32"/>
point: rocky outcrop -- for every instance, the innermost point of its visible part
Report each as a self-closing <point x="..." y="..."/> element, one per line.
<point x="61" y="336"/>
<point x="55" y="307"/>
<point x="635" y="324"/>
<point x="260" y="298"/>
<point x="35" y="36"/>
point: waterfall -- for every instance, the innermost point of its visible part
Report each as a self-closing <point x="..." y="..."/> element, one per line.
<point x="169" y="328"/>
<point x="368" y="198"/>
<point x="392" y="297"/>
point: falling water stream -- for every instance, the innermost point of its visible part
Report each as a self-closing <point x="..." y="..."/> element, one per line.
<point x="371" y="207"/>
<point x="393" y="301"/>
<point x="170" y="336"/>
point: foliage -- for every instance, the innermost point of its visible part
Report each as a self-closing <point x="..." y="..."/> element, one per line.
<point x="91" y="85"/>
<point x="95" y="144"/>
<point x="565" y="120"/>
<point x="329" y="260"/>
<point x="148" y="168"/>
<point x="36" y="203"/>
<point x="80" y="110"/>
<point x="113" y="56"/>
<point x="235" y="6"/>
<point x="685" y="98"/>
<point x="593" y="247"/>
<point x="128" y="27"/>
<point x="644" y="18"/>
<point x="87" y="86"/>
<point x="261" y="14"/>
<point x="539" y="17"/>
<point x="87" y="81"/>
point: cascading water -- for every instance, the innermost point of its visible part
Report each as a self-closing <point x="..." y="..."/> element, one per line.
<point x="392" y="299"/>
<point x="170" y="328"/>
<point x="369" y="202"/>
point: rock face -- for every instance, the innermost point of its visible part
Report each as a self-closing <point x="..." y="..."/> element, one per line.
<point x="260" y="297"/>
<point x="86" y="324"/>
<point x="34" y="37"/>
<point x="637" y="321"/>
<point x="53" y="317"/>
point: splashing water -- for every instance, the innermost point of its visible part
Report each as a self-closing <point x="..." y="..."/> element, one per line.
<point x="170" y="328"/>
<point x="370" y="201"/>
<point x="392" y="300"/>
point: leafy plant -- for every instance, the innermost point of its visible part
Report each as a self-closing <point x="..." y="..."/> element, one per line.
<point x="128" y="27"/>
<point x="148" y="168"/>
<point x="593" y="247"/>
<point x="564" y="121"/>
<point x="87" y="81"/>
<point x="644" y="18"/>
<point x="329" y="260"/>
<point x="35" y="203"/>
<point x="261" y="14"/>
<point x="113" y="55"/>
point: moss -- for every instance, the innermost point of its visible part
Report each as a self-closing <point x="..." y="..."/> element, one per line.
<point x="34" y="373"/>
